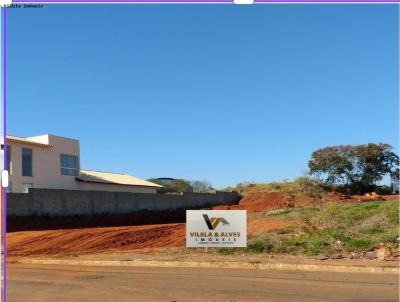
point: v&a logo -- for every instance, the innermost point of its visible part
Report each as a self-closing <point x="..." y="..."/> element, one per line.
<point x="213" y="222"/>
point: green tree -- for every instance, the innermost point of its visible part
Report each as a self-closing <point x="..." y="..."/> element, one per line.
<point x="201" y="186"/>
<point x="172" y="185"/>
<point x="358" y="168"/>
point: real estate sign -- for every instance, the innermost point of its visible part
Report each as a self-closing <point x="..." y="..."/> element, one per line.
<point x="206" y="228"/>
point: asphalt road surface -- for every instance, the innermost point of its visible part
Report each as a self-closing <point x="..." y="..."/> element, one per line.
<point x="29" y="283"/>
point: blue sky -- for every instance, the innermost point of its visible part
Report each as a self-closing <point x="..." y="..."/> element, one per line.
<point x="217" y="92"/>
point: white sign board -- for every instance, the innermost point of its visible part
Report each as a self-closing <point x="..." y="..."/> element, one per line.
<point x="218" y="228"/>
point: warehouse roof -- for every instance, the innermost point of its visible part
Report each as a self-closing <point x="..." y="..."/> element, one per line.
<point x="114" y="178"/>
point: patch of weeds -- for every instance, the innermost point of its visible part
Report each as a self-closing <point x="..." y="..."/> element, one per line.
<point x="308" y="211"/>
<point x="309" y="226"/>
<point x="337" y="234"/>
<point x="225" y="251"/>
<point x="372" y="205"/>
<point x="290" y="245"/>
<point x="278" y="212"/>
<point x="372" y="230"/>
<point x="355" y="213"/>
<point x="258" y="247"/>
<point x="387" y="236"/>
<point x="331" y="228"/>
<point x="283" y="231"/>
<point x="391" y="210"/>
<point x="299" y="212"/>
<point x="317" y="244"/>
<point x="359" y="244"/>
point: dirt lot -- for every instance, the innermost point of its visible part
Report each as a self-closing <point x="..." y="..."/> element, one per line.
<point x="94" y="239"/>
<point x="63" y="242"/>
<point x="136" y="237"/>
<point x="262" y="201"/>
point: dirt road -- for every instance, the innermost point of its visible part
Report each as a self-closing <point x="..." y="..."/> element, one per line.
<point x="34" y="283"/>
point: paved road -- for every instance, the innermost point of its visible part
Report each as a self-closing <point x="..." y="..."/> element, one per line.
<point x="29" y="283"/>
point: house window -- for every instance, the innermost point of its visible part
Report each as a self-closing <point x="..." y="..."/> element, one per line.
<point x="8" y="166"/>
<point x="26" y="162"/>
<point x="69" y="164"/>
<point x="26" y="187"/>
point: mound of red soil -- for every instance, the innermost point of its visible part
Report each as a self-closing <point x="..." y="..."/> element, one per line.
<point x="110" y="239"/>
<point x="262" y="201"/>
<point x="260" y="225"/>
<point x="338" y="197"/>
<point x="94" y="239"/>
<point x="395" y="197"/>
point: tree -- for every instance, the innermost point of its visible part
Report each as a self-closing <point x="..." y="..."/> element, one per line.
<point x="358" y="168"/>
<point x="201" y="186"/>
<point x="311" y="187"/>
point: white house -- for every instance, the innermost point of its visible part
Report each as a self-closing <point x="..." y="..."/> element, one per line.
<point x="53" y="162"/>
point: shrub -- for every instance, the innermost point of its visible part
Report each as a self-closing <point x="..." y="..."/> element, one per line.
<point x="258" y="247"/>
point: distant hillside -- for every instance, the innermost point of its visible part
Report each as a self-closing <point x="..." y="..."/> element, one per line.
<point x="300" y="186"/>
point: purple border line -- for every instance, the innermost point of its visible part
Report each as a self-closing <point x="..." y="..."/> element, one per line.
<point x="4" y="230"/>
<point x="203" y="1"/>
<point x="3" y="69"/>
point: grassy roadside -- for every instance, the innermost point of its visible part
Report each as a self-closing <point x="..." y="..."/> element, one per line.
<point x="329" y="229"/>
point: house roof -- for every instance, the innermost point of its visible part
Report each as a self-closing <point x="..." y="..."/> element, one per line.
<point x="27" y="140"/>
<point x="114" y="178"/>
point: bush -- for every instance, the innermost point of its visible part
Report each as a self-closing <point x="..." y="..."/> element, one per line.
<point x="170" y="185"/>
<point x="258" y="247"/>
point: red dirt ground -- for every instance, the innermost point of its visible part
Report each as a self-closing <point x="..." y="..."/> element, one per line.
<point x="72" y="241"/>
<point x="260" y="225"/>
<point x="262" y="201"/>
<point x="94" y="239"/>
<point x="101" y="239"/>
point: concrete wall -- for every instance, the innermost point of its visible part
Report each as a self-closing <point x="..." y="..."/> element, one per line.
<point x="47" y="202"/>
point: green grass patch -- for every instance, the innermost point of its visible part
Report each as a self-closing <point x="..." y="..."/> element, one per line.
<point x="258" y="247"/>
<point x="332" y="228"/>
<point x="299" y="212"/>
<point x="291" y="245"/>
<point x="317" y="244"/>
<point x="226" y="251"/>
<point x="359" y="244"/>
<point x="372" y="230"/>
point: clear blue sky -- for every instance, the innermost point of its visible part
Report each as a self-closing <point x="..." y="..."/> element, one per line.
<point x="216" y="92"/>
